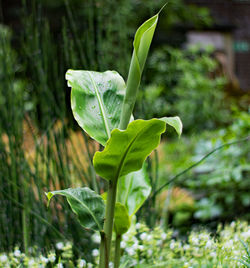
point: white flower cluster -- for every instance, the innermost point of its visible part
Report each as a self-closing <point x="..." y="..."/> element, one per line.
<point x="142" y="246"/>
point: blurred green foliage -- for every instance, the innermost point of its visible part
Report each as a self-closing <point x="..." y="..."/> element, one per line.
<point x="220" y="185"/>
<point x="182" y="82"/>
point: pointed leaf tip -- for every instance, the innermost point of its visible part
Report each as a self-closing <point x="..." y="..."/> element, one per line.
<point x="174" y="122"/>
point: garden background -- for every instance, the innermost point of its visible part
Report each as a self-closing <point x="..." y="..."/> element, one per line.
<point x="42" y="148"/>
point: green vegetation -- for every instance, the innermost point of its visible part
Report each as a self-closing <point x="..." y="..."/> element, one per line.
<point x="143" y="247"/>
<point x="42" y="148"/>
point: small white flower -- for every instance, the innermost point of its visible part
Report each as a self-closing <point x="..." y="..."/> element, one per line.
<point x="246" y="235"/>
<point x="125" y="237"/>
<point x="130" y="251"/>
<point x="123" y="244"/>
<point x="135" y="241"/>
<point x="229" y="244"/>
<point x="95" y="252"/>
<point x="213" y="254"/>
<point x="3" y="258"/>
<point x="138" y="225"/>
<point x="31" y="262"/>
<point x="89" y="265"/>
<point x="52" y="258"/>
<point x="172" y="244"/>
<point x="195" y="240"/>
<point x="82" y="263"/>
<point x="17" y="253"/>
<point x="59" y="245"/>
<point x="133" y="263"/>
<point x="143" y="236"/>
<point x="96" y="238"/>
<point x="159" y="243"/>
<point x="232" y="224"/>
<point x="135" y="246"/>
<point x="111" y="265"/>
<point x="44" y="260"/>
<point x="150" y="252"/>
<point x="163" y="236"/>
<point x="209" y="244"/>
<point x="59" y="265"/>
<point x="149" y="237"/>
<point x="141" y="247"/>
<point x="186" y="247"/>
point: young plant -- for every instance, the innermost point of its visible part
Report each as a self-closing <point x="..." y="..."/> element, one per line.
<point x="102" y="105"/>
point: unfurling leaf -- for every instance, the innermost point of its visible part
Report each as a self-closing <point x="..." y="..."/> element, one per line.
<point x="142" y="42"/>
<point x="84" y="202"/>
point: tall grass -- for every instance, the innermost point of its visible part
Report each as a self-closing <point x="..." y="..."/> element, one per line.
<point x="40" y="147"/>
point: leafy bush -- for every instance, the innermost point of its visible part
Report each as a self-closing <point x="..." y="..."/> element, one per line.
<point x="181" y="82"/>
<point x="223" y="180"/>
<point x="220" y="184"/>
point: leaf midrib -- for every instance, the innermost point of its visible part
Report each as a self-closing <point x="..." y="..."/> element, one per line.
<point x="101" y="105"/>
<point x="127" y="151"/>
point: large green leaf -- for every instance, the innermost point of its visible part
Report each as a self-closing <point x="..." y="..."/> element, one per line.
<point x="126" y="150"/>
<point x="88" y="206"/>
<point x="121" y="219"/>
<point x="134" y="189"/>
<point x="96" y="101"/>
<point x="142" y="42"/>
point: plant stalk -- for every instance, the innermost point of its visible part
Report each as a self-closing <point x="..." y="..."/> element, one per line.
<point x="108" y="225"/>
<point x="103" y="250"/>
<point x="117" y="251"/>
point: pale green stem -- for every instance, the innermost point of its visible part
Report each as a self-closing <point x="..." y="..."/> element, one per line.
<point x="103" y="251"/>
<point x="117" y="251"/>
<point x="108" y="225"/>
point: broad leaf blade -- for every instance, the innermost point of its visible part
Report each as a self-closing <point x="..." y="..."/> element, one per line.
<point x="174" y="122"/>
<point x="96" y="100"/>
<point x="121" y="219"/>
<point x="84" y="202"/>
<point x="134" y="189"/>
<point x="126" y="150"/>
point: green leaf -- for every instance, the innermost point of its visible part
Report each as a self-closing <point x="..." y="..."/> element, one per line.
<point x="96" y="100"/>
<point x="134" y="189"/>
<point x="84" y="202"/>
<point x="142" y="42"/>
<point x="121" y="219"/>
<point x="174" y="122"/>
<point x="126" y="150"/>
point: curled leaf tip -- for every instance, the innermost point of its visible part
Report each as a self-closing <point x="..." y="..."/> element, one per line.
<point x="49" y="196"/>
<point x="162" y="8"/>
